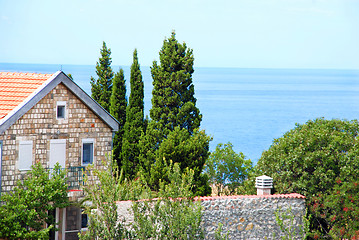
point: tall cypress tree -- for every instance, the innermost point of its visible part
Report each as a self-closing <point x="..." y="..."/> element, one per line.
<point x="172" y="132"/>
<point x="134" y="126"/>
<point x="101" y="88"/>
<point x="118" y="104"/>
<point x="173" y="101"/>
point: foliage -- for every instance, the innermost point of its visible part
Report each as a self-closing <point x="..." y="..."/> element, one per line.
<point x="173" y="101"/>
<point x="175" y="119"/>
<point x="286" y="223"/>
<point x="340" y="207"/>
<point x="103" y="189"/>
<point x="25" y="211"/>
<point x="218" y="233"/>
<point x="189" y="151"/>
<point x="308" y="160"/>
<point x="134" y="125"/>
<point x="101" y="87"/>
<point x="118" y="104"/>
<point x="174" y="214"/>
<point x="227" y="169"/>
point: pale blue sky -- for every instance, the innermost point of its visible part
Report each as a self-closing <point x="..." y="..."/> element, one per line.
<point x="227" y="33"/>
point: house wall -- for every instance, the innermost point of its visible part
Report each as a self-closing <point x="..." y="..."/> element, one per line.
<point x="40" y="125"/>
<point x="243" y="217"/>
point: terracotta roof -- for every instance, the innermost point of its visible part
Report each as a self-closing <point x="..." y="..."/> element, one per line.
<point x="290" y="195"/>
<point x="16" y="87"/>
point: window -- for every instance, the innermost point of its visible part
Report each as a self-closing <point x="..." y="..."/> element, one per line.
<point x="57" y="152"/>
<point x="25" y="155"/>
<point x="87" y="151"/>
<point x="61" y="110"/>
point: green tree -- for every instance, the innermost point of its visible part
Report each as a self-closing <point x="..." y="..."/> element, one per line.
<point x="101" y="87"/>
<point x="308" y="160"/>
<point x="173" y="101"/>
<point x="102" y="191"/>
<point x="174" y="215"/>
<point x="227" y="169"/>
<point x="118" y="104"/>
<point x="134" y="126"/>
<point x="25" y="212"/>
<point x="173" y="105"/>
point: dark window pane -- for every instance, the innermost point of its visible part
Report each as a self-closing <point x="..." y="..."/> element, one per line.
<point x="60" y="111"/>
<point x="87" y="153"/>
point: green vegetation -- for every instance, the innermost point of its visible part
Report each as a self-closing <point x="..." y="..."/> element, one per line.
<point x="319" y="159"/>
<point x="226" y="169"/>
<point x="172" y="133"/>
<point x="168" y="217"/>
<point x="101" y="88"/>
<point x="118" y="103"/>
<point x="134" y="126"/>
<point x="102" y="192"/>
<point x="174" y="215"/>
<point x="26" y="211"/>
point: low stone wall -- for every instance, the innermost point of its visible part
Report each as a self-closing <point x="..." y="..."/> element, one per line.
<point x="243" y="217"/>
<point x="250" y="217"/>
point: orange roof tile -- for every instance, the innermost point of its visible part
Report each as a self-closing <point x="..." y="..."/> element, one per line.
<point x="289" y="195"/>
<point x="16" y="87"/>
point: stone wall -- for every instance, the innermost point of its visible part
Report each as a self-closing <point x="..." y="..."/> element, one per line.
<point x="250" y="217"/>
<point x="40" y="125"/>
<point x="243" y="217"/>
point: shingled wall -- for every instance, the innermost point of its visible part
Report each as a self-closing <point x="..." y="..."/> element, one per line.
<point x="40" y="125"/>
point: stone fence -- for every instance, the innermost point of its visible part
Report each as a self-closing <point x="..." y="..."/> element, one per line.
<point x="245" y="216"/>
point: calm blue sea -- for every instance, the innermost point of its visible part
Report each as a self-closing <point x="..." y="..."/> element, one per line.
<point x="248" y="107"/>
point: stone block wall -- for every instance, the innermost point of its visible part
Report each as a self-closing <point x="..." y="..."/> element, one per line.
<point x="250" y="217"/>
<point x="242" y="217"/>
<point x="40" y="125"/>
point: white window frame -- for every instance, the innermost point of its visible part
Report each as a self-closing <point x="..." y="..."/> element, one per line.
<point x="53" y="143"/>
<point x="61" y="104"/>
<point x="25" y="158"/>
<point x="86" y="141"/>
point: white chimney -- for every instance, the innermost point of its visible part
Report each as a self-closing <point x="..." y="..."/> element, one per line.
<point x="264" y="185"/>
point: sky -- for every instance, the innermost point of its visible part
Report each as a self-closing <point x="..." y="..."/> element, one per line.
<point x="227" y="33"/>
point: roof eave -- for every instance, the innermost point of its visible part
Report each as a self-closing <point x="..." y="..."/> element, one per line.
<point x="51" y="83"/>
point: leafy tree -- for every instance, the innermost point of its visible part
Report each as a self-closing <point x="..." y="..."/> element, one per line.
<point x="118" y="104"/>
<point x="134" y="126"/>
<point x="173" y="106"/>
<point x="24" y="213"/>
<point x="174" y="215"/>
<point x="227" y="169"/>
<point x="101" y="87"/>
<point x="102" y="191"/>
<point x="308" y="160"/>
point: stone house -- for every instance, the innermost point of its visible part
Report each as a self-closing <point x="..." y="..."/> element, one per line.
<point x="47" y="118"/>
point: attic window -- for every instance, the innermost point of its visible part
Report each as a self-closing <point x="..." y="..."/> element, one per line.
<point x="61" y="110"/>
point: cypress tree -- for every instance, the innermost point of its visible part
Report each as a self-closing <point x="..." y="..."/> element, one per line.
<point x="134" y="125"/>
<point x="101" y="87"/>
<point x="118" y="104"/>
<point x="173" y="101"/>
<point x="174" y="118"/>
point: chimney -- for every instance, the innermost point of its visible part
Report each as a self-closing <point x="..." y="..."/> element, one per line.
<point x="264" y="184"/>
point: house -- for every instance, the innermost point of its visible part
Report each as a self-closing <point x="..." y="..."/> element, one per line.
<point x="50" y="119"/>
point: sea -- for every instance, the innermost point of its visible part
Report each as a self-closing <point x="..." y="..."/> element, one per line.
<point x="247" y="107"/>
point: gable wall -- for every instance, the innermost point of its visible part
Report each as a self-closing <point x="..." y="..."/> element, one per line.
<point x="40" y="125"/>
